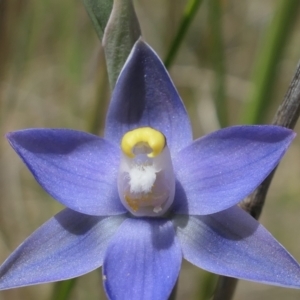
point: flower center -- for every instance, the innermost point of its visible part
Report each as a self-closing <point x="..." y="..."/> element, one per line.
<point x="146" y="181"/>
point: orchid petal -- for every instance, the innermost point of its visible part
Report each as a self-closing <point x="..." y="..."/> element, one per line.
<point x="142" y="261"/>
<point x="76" y="168"/>
<point x="220" y="169"/>
<point x="68" y="245"/>
<point x="234" y="244"/>
<point x="144" y="96"/>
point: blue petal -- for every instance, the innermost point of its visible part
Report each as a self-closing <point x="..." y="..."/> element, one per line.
<point x="68" y="245"/>
<point x="76" y="168"/>
<point x="144" y="95"/>
<point x="233" y="244"/>
<point x="220" y="169"/>
<point x="142" y="261"/>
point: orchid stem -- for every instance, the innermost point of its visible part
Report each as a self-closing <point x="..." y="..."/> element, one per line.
<point x="286" y="116"/>
<point x="225" y="288"/>
<point x="174" y="291"/>
<point x="289" y="111"/>
<point x="63" y="289"/>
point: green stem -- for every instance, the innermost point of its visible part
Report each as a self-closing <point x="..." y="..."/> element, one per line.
<point x="215" y="14"/>
<point x="63" y="289"/>
<point x="121" y="33"/>
<point x="225" y="288"/>
<point x="264" y="74"/>
<point x="188" y="15"/>
<point x="99" y="12"/>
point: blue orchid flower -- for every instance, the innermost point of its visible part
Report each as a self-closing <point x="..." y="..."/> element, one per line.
<point x="146" y="195"/>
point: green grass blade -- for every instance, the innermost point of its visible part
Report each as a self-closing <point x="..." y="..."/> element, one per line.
<point x="188" y="15"/>
<point x="215" y="17"/>
<point x="265" y="68"/>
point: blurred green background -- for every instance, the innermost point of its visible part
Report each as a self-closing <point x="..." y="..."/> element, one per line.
<point x="53" y="74"/>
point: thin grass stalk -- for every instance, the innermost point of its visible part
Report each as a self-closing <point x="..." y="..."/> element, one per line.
<point x="264" y="74"/>
<point x="187" y="18"/>
<point x="218" y="61"/>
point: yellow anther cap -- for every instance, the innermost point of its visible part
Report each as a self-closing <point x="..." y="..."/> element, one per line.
<point x="144" y="135"/>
